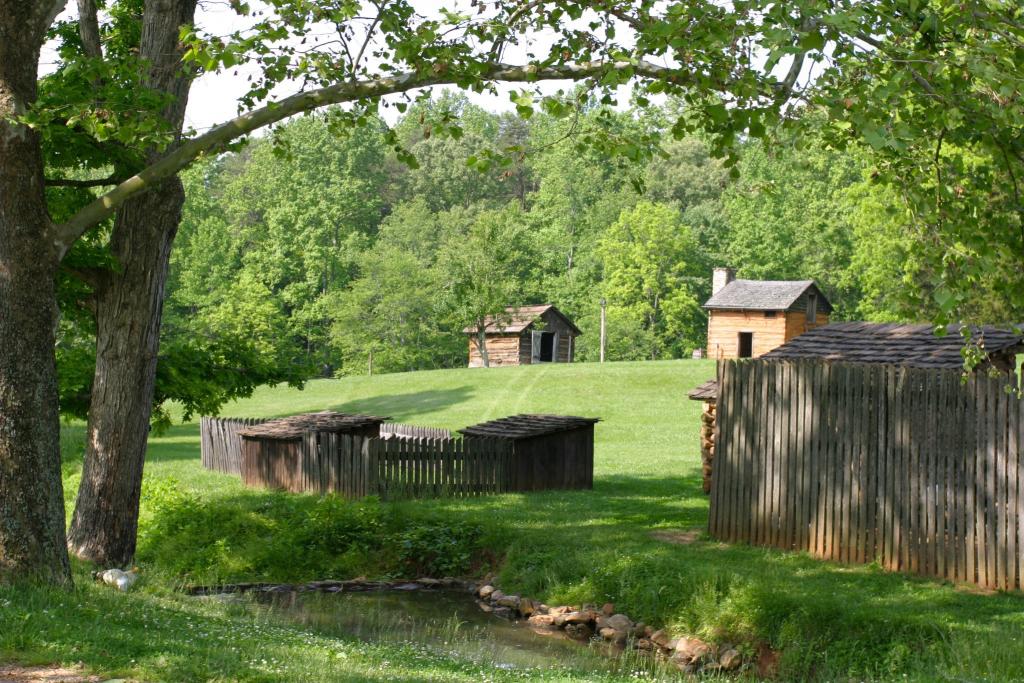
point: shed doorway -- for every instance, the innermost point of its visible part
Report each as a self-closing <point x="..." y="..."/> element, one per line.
<point x="544" y="347"/>
<point x="746" y="349"/>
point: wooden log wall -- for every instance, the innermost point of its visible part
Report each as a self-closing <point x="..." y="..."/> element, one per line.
<point x="560" y="461"/>
<point x="911" y="468"/>
<point x="272" y="464"/>
<point x="707" y="443"/>
<point x="502" y="349"/>
<point x="219" y="443"/>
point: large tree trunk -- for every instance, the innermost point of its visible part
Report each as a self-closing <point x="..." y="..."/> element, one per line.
<point x="31" y="495"/>
<point x="129" y="306"/>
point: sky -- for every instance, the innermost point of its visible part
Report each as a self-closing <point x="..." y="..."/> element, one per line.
<point x="214" y="96"/>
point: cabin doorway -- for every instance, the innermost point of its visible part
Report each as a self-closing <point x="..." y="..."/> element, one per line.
<point x="547" y="347"/>
<point x="746" y="345"/>
<point x="544" y="345"/>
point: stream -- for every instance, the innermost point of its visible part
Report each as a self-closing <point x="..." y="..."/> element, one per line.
<point x="448" y="622"/>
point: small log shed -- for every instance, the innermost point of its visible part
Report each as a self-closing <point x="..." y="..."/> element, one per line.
<point x="525" y="335"/>
<point x="274" y="454"/>
<point x="548" y="451"/>
<point x="914" y="346"/>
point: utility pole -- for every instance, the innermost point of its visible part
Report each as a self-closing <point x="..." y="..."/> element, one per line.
<point x="603" y="304"/>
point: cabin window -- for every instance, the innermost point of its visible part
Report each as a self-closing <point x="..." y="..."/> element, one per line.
<point x="746" y="345"/>
<point x="812" y="309"/>
<point x="769" y="314"/>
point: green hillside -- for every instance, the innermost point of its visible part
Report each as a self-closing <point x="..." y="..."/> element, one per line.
<point x="617" y="543"/>
<point x="648" y="426"/>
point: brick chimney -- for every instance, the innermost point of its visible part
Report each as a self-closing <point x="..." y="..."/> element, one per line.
<point x="721" y="277"/>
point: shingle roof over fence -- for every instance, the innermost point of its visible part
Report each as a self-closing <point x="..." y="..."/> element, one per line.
<point x="895" y="344"/>
<point x="528" y="426"/>
<point x="764" y="295"/>
<point x="294" y="426"/>
<point x="706" y="391"/>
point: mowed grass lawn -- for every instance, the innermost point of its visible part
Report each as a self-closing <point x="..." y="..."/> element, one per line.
<point x="831" y="622"/>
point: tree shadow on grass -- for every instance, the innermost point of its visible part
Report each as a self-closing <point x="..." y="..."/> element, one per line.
<point x="163" y="639"/>
<point x="614" y="523"/>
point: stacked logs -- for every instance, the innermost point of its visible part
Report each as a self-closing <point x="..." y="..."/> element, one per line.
<point x="707" y="442"/>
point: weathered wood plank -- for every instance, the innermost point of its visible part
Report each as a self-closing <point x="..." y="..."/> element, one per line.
<point x="990" y="485"/>
<point x="788" y="516"/>
<point x="753" y="427"/>
<point x="1001" y="542"/>
<point x="1019" y="447"/>
<point x="765" y="377"/>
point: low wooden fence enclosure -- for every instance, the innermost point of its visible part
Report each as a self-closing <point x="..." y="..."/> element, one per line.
<point x="392" y="468"/>
<point x="548" y="451"/>
<point x="358" y="455"/>
<point x="856" y="463"/>
<point x="220" y="444"/>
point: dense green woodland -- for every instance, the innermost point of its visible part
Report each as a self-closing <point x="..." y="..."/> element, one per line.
<point x="316" y="253"/>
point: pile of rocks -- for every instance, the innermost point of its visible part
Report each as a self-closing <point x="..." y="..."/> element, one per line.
<point x="588" y="622"/>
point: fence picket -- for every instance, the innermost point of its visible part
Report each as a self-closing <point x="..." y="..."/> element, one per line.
<point x="759" y="386"/>
<point x="1018" y="404"/>
<point x="219" y="444"/>
<point x="909" y="467"/>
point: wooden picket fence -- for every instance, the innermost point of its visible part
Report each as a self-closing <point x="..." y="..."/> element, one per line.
<point x="389" y="429"/>
<point x="393" y="468"/>
<point x="219" y="443"/>
<point x="911" y="468"/>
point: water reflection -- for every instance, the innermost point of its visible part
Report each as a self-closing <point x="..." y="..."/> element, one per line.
<point x="451" y="623"/>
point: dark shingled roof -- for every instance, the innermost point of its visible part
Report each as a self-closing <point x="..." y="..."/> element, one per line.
<point x="518" y="318"/>
<point x="705" y="392"/>
<point x="764" y="295"/>
<point x="528" y="426"/>
<point x="293" y="427"/>
<point x="893" y="344"/>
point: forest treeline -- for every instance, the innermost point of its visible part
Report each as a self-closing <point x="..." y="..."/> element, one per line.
<point x="311" y="253"/>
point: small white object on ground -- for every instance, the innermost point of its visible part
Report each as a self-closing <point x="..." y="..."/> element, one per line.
<point x="115" y="577"/>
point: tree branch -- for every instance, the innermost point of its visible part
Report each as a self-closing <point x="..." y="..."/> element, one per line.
<point x="273" y="112"/>
<point x="70" y="182"/>
<point x="366" y="42"/>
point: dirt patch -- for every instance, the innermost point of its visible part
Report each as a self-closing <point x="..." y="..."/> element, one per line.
<point x="11" y="673"/>
<point x="678" y="536"/>
<point x="768" y="662"/>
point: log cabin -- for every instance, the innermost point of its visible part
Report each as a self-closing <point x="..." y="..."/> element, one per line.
<point x="525" y="335"/>
<point x="748" y="318"/>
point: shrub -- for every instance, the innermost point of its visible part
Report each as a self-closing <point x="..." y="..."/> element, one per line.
<point x="434" y="548"/>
